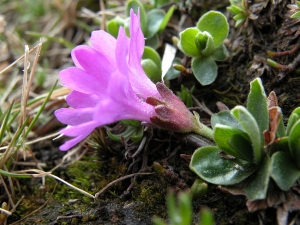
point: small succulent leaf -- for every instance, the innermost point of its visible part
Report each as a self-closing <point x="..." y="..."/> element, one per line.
<point x="225" y="137"/>
<point x="216" y="24"/>
<point x="134" y="123"/>
<point x="281" y="128"/>
<point x="187" y="42"/>
<point x="242" y="146"/>
<point x="113" y="26"/>
<point x="281" y="144"/>
<point x="150" y="53"/>
<point x="206" y="217"/>
<point x="225" y="118"/>
<point x="284" y="170"/>
<point x="153" y="42"/>
<point x="220" y="53"/>
<point x="294" y="142"/>
<point x="294" y="117"/>
<point x="257" y="105"/>
<point x="296" y="15"/>
<point x="137" y="6"/>
<point x="251" y="127"/>
<point x="205" y="69"/>
<point x="155" y="19"/>
<point x="257" y="186"/>
<point x="199" y="188"/>
<point x="166" y="19"/>
<point x="151" y="69"/>
<point x="137" y="135"/>
<point x="171" y="205"/>
<point x="234" y="9"/>
<point x="205" y="43"/>
<point x="208" y="165"/>
<point x="185" y="209"/>
<point x="126" y="134"/>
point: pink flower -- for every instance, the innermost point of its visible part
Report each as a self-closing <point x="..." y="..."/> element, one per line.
<point x="108" y="84"/>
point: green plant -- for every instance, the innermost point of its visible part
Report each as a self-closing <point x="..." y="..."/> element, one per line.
<point x="296" y="14"/>
<point x="252" y="146"/>
<point x="239" y="10"/>
<point x="153" y="22"/>
<point x="183" y="213"/>
<point x="204" y="43"/>
<point x="133" y="131"/>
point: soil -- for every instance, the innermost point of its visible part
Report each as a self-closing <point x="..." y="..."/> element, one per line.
<point x="137" y="199"/>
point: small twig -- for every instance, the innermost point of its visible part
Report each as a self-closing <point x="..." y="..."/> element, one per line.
<point x="15" y="62"/>
<point x="117" y="180"/>
<point x="7" y="192"/>
<point x="102" y="7"/>
<point x="68" y="217"/>
<point x="289" y="52"/>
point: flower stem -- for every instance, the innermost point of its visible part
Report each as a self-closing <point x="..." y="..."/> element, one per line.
<point x="204" y="130"/>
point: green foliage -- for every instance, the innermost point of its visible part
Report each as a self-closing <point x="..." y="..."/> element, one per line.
<point x="153" y="23"/>
<point x="296" y="15"/>
<point x="255" y="145"/>
<point x="133" y="131"/>
<point x="185" y="95"/>
<point x="238" y="9"/>
<point x="183" y="213"/>
<point x="204" y="43"/>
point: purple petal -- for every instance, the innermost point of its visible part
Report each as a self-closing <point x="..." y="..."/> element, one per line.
<point x="122" y="103"/>
<point x="137" y="40"/>
<point x="80" y="132"/>
<point x="93" y="62"/>
<point x="122" y="52"/>
<point x="77" y="79"/>
<point x="104" y="43"/>
<point x="80" y="100"/>
<point x="82" y="129"/>
<point x="74" y="117"/>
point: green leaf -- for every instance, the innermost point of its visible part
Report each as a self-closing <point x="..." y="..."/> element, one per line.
<point x="166" y="19"/>
<point x="242" y="146"/>
<point x="151" y="69"/>
<point x="153" y="42"/>
<point x="187" y="42"/>
<point x="280" y="129"/>
<point x="205" y="69"/>
<point x="216" y="24"/>
<point x="281" y="144"/>
<point x="229" y="139"/>
<point x="185" y="209"/>
<point x="296" y="15"/>
<point x="150" y="53"/>
<point x="209" y="166"/>
<point x="155" y="19"/>
<point x="294" y="142"/>
<point x="284" y="170"/>
<point x="205" y="43"/>
<point x="257" y="105"/>
<point x="113" y="26"/>
<point x="258" y="185"/>
<point x="225" y="118"/>
<point x="251" y="127"/>
<point x="294" y="117"/>
<point x="220" y="53"/>
<point x="137" y="5"/>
